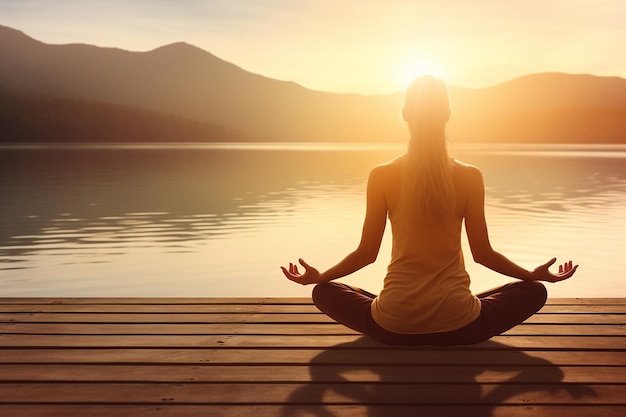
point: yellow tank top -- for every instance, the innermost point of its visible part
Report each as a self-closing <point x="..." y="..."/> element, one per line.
<point x="426" y="289"/>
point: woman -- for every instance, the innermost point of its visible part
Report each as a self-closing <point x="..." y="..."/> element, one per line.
<point x="426" y="298"/>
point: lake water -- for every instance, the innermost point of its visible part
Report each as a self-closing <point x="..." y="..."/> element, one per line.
<point x="218" y="220"/>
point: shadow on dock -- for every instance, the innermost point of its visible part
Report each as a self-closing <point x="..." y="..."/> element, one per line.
<point x="383" y="384"/>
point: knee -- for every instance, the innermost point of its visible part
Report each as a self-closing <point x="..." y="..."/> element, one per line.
<point x="539" y="293"/>
<point x="320" y="294"/>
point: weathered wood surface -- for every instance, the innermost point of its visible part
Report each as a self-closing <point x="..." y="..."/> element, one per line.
<point x="280" y="357"/>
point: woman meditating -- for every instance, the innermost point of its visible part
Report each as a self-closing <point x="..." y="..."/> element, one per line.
<point x="426" y="298"/>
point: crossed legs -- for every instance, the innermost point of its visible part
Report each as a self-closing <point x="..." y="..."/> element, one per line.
<point x="501" y="309"/>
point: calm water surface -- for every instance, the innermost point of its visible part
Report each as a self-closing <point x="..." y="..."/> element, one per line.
<point x="218" y="220"/>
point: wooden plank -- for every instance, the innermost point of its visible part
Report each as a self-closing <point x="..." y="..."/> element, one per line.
<point x="166" y="318"/>
<point x="584" y="308"/>
<point x="257" y="318"/>
<point x="303" y="309"/>
<point x="579" y="318"/>
<point x="291" y="341"/>
<point x="586" y="301"/>
<point x="306" y="356"/>
<point x="176" y="329"/>
<point x="271" y="329"/>
<point x="239" y="300"/>
<point x="155" y="300"/>
<point x="330" y="410"/>
<point x="543" y="374"/>
<point x="249" y="308"/>
<point x="295" y="393"/>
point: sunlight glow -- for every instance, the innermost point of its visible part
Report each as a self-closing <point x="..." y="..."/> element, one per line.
<point x="479" y="43"/>
<point x="415" y="67"/>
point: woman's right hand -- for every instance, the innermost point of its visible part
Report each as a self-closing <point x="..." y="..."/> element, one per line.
<point x="542" y="272"/>
<point x="310" y="276"/>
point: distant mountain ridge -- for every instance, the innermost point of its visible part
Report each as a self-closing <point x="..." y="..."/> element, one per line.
<point x="187" y="81"/>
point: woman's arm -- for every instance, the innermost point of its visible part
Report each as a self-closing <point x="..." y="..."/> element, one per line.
<point x="371" y="237"/>
<point x="478" y="237"/>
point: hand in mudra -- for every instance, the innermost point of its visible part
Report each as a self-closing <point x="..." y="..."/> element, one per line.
<point x="310" y="275"/>
<point x="542" y="272"/>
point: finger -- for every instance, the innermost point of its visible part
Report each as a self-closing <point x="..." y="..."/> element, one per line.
<point x="285" y="272"/>
<point x="570" y="272"/>
<point x="567" y="273"/>
<point x="561" y="269"/>
<point x="304" y="264"/>
<point x="549" y="263"/>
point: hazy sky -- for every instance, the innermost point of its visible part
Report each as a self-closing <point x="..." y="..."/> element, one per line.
<point x="352" y="45"/>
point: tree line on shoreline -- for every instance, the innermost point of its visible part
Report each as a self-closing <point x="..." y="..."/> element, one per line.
<point x="42" y="118"/>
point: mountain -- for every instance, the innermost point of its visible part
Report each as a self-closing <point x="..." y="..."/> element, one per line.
<point x="187" y="81"/>
<point x="551" y="107"/>
<point x="183" y="79"/>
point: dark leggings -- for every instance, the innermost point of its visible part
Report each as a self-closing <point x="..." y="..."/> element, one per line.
<point x="501" y="309"/>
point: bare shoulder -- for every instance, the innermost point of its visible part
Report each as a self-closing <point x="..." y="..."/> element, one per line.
<point x="388" y="170"/>
<point x="392" y="167"/>
<point x="465" y="166"/>
<point x="468" y="172"/>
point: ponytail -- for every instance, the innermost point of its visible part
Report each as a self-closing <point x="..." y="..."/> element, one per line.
<point x="428" y="178"/>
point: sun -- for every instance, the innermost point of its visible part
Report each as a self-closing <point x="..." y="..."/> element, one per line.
<point x="415" y="67"/>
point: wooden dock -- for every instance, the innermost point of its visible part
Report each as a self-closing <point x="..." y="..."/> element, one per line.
<point x="281" y="357"/>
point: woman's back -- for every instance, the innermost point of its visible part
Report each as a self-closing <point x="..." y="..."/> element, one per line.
<point x="426" y="288"/>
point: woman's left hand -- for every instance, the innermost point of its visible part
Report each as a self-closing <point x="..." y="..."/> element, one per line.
<point x="310" y="275"/>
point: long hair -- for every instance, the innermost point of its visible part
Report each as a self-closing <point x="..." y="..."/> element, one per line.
<point x="428" y="182"/>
